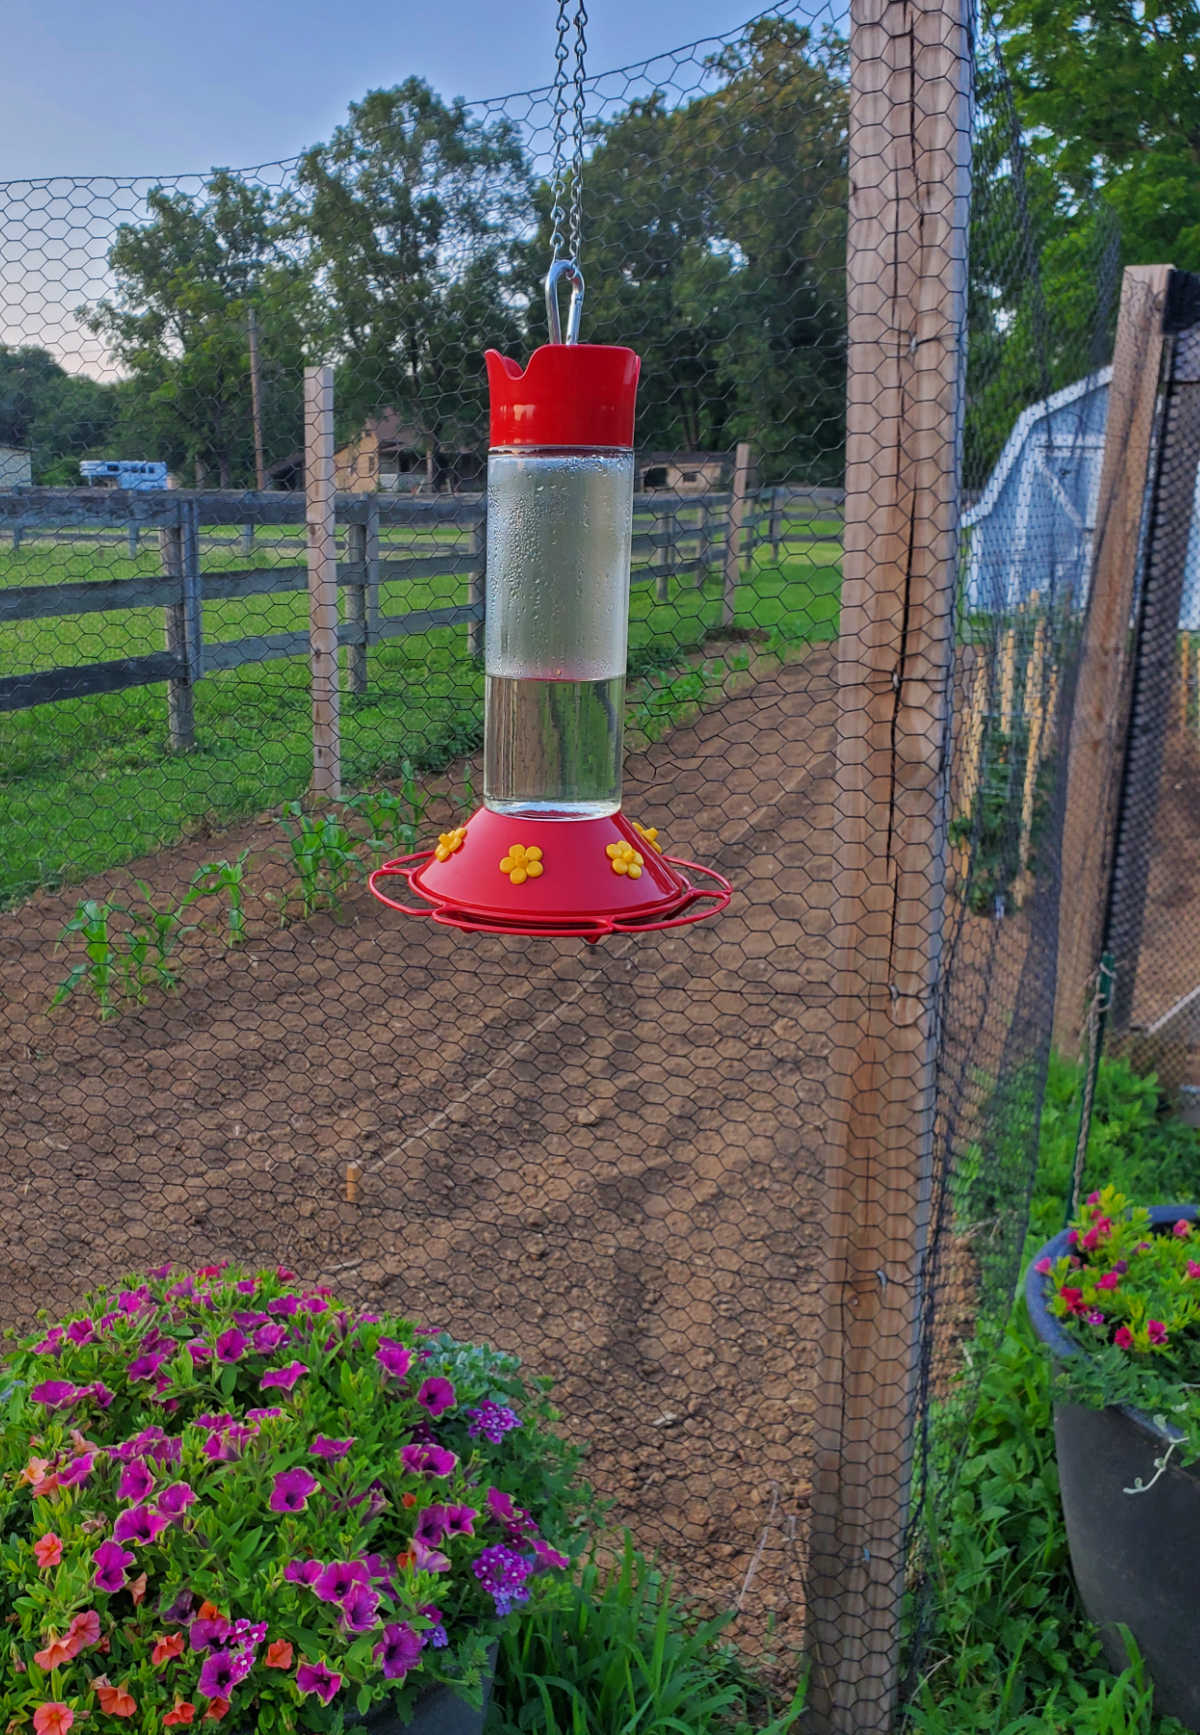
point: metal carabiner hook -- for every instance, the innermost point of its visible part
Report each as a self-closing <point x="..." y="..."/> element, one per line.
<point x="560" y="268"/>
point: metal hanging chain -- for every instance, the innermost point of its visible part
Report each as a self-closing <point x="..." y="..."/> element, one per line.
<point x="567" y="266"/>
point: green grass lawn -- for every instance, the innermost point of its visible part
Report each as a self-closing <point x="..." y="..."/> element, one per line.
<point x="88" y="783"/>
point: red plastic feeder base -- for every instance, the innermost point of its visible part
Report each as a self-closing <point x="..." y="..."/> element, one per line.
<point x="501" y="874"/>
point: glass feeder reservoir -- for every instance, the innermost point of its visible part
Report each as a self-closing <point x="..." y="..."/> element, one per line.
<point x="550" y="851"/>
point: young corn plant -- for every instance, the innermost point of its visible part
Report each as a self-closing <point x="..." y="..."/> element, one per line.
<point x="98" y="966"/>
<point x="227" y="879"/>
<point x="323" y="856"/>
<point x="151" y="943"/>
<point x="394" y="820"/>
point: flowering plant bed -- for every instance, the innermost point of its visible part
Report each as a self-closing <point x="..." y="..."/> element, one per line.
<point x="230" y="1499"/>
<point x="1125" y="1288"/>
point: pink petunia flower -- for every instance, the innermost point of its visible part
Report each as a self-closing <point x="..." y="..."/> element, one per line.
<point x="1182" y="1229"/>
<point x="1123" y="1337"/>
<point x="1156" y="1331"/>
<point x="1044" y="1267"/>
<point x="48" y="1550"/>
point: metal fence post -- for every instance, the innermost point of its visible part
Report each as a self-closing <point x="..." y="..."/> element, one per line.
<point x="356" y="608"/>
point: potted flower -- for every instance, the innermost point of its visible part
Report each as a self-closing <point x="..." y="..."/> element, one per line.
<point x="1116" y="1300"/>
<point x="230" y="1499"/>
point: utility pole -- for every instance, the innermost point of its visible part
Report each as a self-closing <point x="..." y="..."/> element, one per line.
<point x="260" y="472"/>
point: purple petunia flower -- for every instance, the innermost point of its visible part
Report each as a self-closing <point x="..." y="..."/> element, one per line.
<point x="139" y="1524"/>
<point x="136" y="1481"/>
<point x="428" y="1460"/>
<point x="427" y="1559"/>
<point x="398" y="1651"/>
<point x="76" y="1473"/>
<point x="292" y="1490"/>
<point x="111" y="1560"/>
<point x="144" y="1367"/>
<point x="207" y="1631"/>
<point x="248" y="1321"/>
<point x="284" y="1307"/>
<point x="222" y="1671"/>
<point x="231" y="1345"/>
<point x="431" y="1525"/>
<point x="493" y="1421"/>
<point x="99" y="1394"/>
<point x="460" y="1520"/>
<point x="267" y="1415"/>
<point x="55" y="1394"/>
<point x="359" y="1609"/>
<point x="283" y="1378"/>
<point x="546" y="1557"/>
<point x="338" y="1579"/>
<point x="303" y="1571"/>
<point x="81" y="1331"/>
<point x="393" y="1357"/>
<point x="317" y="1678"/>
<point x="51" y="1344"/>
<point x="270" y="1337"/>
<point x="329" y="1449"/>
<point x="175" y="1499"/>
<point x="1044" y="1266"/>
<point x="436" y="1396"/>
<point x="246" y="1285"/>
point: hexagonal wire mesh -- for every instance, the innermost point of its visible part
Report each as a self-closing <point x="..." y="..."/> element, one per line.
<point x="613" y="1160"/>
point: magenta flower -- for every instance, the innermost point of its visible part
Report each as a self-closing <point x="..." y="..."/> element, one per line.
<point x="51" y="1344"/>
<point x="338" y="1579"/>
<point x="493" y="1421"/>
<point x="246" y="1285"/>
<point x="303" y="1571"/>
<point x="329" y="1449"/>
<point x="398" y="1651"/>
<point x="1094" y="1316"/>
<point x="270" y="1337"/>
<point x="547" y="1557"/>
<point x="264" y="1415"/>
<point x="1093" y="1198"/>
<point x="175" y="1499"/>
<point x="501" y="1507"/>
<point x="1044" y="1266"/>
<point x="77" y="1471"/>
<point x="292" y="1490"/>
<point x="55" y="1394"/>
<point x="1193" y="1268"/>
<point x="436" y="1396"/>
<point x="136" y="1481"/>
<point x="111" y="1560"/>
<point x="284" y="1306"/>
<point x="316" y="1678"/>
<point x="199" y="1351"/>
<point x="393" y="1357"/>
<point x="1156" y="1331"/>
<point x="431" y="1525"/>
<point x="222" y="1671"/>
<point x="427" y="1559"/>
<point x="460" y="1520"/>
<point x="359" y="1609"/>
<point x="428" y="1460"/>
<point x="1123" y="1337"/>
<point x="1110" y="1280"/>
<point x="139" y="1524"/>
<point x="81" y="1331"/>
<point x="284" y="1378"/>
<point x="207" y="1631"/>
<point x="144" y="1367"/>
<point x="1182" y="1229"/>
<point x="231" y="1345"/>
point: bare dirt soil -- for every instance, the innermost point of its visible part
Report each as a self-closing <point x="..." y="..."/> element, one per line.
<point x="607" y="1159"/>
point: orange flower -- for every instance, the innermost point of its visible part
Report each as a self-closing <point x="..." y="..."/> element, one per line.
<point x="408" y="1500"/>
<point x="279" y="1655"/>
<point x="56" y="1652"/>
<point x="184" y="1712"/>
<point x="48" y="1550"/>
<point x="115" y="1701"/>
<point x="34" y="1470"/>
<point x="137" y="1589"/>
<point x="53" y="1719"/>
<point x="216" y="1710"/>
<point x="407" y="1558"/>
<point x="168" y="1646"/>
<point x="209" y="1611"/>
<point x="84" y="1630"/>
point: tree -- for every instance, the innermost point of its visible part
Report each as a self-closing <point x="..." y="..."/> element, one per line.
<point x="1111" y="99"/>
<point x="186" y="280"/>
<point x="412" y="208"/>
<point x="58" y="417"/>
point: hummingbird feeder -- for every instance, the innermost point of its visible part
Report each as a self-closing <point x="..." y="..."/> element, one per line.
<point x="550" y="850"/>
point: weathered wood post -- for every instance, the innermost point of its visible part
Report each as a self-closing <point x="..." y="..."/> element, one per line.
<point x="356" y="607"/>
<point x="734" y="534"/>
<point x="1101" y="704"/>
<point x="178" y="545"/>
<point x="910" y="134"/>
<point x="320" y="506"/>
<point x="704" y="553"/>
<point x="664" y="551"/>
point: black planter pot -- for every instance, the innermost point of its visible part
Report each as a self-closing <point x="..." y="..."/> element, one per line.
<point x="438" y="1712"/>
<point x="1134" y="1555"/>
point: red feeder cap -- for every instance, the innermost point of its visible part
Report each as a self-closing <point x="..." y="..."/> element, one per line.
<point x="571" y="394"/>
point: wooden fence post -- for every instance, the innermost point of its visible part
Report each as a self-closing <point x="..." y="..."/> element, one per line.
<point x="776" y="523"/>
<point x="734" y="531"/>
<point x="179" y="549"/>
<point x="356" y="608"/>
<point x="704" y="550"/>
<point x="320" y="506"/>
<point x="665" y="528"/>
<point x="910" y="131"/>
<point x="477" y="579"/>
<point x="1100" y="712"/>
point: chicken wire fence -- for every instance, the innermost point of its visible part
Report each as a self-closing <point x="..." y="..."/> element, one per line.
<point x="668" y="1170"/>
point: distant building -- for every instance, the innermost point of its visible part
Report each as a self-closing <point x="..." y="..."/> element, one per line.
<point x="391" y="456"/>
<point x="16" y="468"/>
<point x="681" y="472"/>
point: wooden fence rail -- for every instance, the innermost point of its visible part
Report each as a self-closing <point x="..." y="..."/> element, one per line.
<point x="676" y="536"/>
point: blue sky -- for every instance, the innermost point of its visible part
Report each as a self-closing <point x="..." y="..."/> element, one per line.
<point x="130" y="87"/>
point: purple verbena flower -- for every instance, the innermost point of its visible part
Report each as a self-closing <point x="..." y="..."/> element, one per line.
<point x="493" y="1421"/>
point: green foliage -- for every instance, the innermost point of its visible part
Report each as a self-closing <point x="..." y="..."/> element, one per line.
<point x="1010" y="1651"/>
<point x="228" y="879"/>
<point x="127" y="949"/>
<point x="394" y="819"/>
<point x="323" y="856"/>
<point x="616" y="1652"/>
<point x="56" y="416"/>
